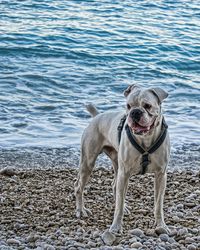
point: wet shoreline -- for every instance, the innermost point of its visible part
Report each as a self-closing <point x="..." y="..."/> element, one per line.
<point x="186" y="157"/>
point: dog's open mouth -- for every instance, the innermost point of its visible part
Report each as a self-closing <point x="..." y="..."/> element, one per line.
<point x="139" y="129"/>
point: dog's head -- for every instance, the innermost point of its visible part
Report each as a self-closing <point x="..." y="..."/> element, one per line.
<point x="143" y="108"/>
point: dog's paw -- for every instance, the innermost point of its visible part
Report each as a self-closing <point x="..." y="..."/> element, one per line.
<point x="84" y="212"/>
<point x="115" y="229"/>
<point x="162" y="229"/>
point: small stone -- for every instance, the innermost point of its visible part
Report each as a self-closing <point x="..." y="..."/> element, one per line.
<point x="80" y="230"/>
<point x="194" y="231"/>
<point x="189" y="240"/>
<point x="137" y="232"/>
<point x="32" y="238"/>
<point x="150" y="232"/>
<point x="108" y="238"/>
<point x="106" y="248"/>
<point x="175" y="245"/>
<point x="160" y="230"/>
<point x="8" y="171"/>
<point x="143" y="211"/>
<point x="190" y="204"/>
<point x="171" y="240"/>
<point x="182" y="231"/>
<point x="132" y="240"/>
<point x="117" y="248"/>
<point x="180" y="206"/>
<point x="180" y="214"/>
<point x="173" y="232"/>
<point x="49" y="247"/>
<point x="13" y="242"/>
<point x="164" y="237"/>
<point x="175" y="218"/>
<point x="136" y="245"/>
<point x="191" y="247"/>
<point x="96" y="234"/>
<point x="91" y="244"/>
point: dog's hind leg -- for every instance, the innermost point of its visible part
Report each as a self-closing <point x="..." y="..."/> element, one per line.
<point x="115" y="168"/>
<point x="112" y="154"/>
<point x="89" y="152"/>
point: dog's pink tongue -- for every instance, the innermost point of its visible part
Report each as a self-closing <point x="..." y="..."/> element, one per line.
<point x="138" y="129"/>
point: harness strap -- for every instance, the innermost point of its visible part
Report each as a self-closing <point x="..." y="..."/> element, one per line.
<point x="160" y="139"/>
<point x="144" y="163"/>
<point x="120" y="127"/>
<point x="133" y="141"/>
<point x="145" y="153"/>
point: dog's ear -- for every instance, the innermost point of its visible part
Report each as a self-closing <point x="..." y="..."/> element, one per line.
<point x="129" y="89"/>
<point x="160" y="94"/>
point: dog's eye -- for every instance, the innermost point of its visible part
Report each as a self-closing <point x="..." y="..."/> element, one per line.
<point x="147" y="106"/>
<point x="128" y="106"/>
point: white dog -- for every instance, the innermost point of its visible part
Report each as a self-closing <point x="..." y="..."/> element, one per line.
<point x="136" y="142"/>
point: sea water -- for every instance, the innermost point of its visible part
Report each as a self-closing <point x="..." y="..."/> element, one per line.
<point x="55" y="56"/>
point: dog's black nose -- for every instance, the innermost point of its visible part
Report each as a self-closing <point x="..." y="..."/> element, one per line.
<point x="136" y="114"/>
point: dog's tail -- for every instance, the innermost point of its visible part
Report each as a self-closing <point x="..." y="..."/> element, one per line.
<point x="92" y="109"/>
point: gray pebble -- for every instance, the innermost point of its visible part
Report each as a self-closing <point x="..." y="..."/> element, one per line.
<point x="189" y="240"/>
<point x="108" y="238"/>
<point x="32" y="238"/>
<point x="182" y="231"/>
<point x="194" y="230"/>
<point x="80" y="230"/>
<point x="175" y="218"/>
<point x="72" y="248"/>
<point x="91" y="244"/>
<point x="160" y="230"/>
<point x="50" y="248"/>
<point x="96" y="234"/>
<point x="132" y="240"/>
<point x="175" y="245"/>
<point x="117" y="248"/>
<point x="136" y="245"/>
<point x="137" y="232"/>
<point x="191" y="247"/>
<point x="180" y="206"/>
<point x="180" y="214"/>
<point x="13" y="242"/>
<point x="8" y="171"/>
<point x="105" y="248"/>
<point x="171" y="240"/>
<point x="164" y="237"/>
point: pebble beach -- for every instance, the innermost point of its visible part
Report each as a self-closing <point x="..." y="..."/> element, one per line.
<point x="38" y="210"/>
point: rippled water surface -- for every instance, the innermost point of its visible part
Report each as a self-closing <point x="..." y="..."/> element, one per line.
<point x="57" y="55"/>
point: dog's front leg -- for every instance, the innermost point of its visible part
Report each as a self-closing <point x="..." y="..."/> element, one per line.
<point x="159" y="192"/>
<point x="121" y="188"/>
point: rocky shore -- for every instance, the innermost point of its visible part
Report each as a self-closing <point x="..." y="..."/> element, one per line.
<point x="37" y="211"/>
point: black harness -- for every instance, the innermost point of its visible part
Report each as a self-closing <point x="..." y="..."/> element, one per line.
<point x="145" y="153"/>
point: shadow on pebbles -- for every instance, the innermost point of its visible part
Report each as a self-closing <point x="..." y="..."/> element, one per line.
<point x="37" y="211"/>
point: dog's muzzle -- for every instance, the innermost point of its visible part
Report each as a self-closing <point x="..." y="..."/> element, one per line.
<point x="136" y="124"/>
<point x="136" y="114"/>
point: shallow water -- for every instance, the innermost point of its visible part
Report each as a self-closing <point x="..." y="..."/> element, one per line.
<point x="57" y="55"/>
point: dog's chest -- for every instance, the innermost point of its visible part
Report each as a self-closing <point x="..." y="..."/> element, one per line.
<point x="144" y="161"/>
<point x="134" y="161"/>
